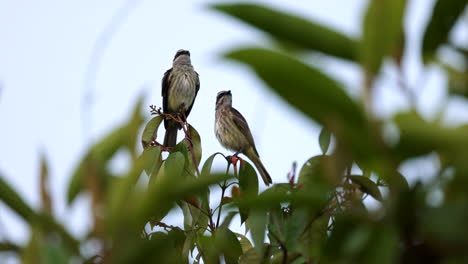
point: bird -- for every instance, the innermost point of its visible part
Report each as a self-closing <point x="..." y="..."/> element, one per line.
<point x="233" y="132"/>
<point x="180" y="86"/>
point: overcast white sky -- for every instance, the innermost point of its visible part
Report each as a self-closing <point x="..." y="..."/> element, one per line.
<point x="46" y="46"/>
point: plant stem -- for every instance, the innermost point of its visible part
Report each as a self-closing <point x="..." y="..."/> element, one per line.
<point x="223" y="189"/>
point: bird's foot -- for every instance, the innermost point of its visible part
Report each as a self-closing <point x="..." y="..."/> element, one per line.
<point x="233" y="159"/>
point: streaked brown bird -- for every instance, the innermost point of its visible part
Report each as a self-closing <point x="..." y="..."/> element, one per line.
<point x="233" y="132"/>
<point x="180" y="86"/>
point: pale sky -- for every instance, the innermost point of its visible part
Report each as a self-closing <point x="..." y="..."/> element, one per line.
<point x="46" y="46"/>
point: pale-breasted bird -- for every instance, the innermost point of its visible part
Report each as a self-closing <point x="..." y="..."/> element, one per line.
<point x="180" y="86"/>
<point x="233" y="132"/>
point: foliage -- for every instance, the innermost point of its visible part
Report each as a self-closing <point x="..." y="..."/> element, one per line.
<point x="322" y="214"/>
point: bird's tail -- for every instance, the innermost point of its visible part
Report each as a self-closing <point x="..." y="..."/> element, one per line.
<point x="170" y="138"/>
<point x="258" y="164"/>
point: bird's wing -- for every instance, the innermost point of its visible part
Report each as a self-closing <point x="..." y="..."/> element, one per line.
<point x="197" y="87"/>
<point x="242" y="125"/>
<point x="166" y="82"/>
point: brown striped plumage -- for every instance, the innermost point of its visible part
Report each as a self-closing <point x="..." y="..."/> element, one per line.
<point x="180" y="86"/>
<point x="233" y="132"/>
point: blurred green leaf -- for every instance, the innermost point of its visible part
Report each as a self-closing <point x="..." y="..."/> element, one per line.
<point x="120" y="190"/>
<point x="324" y="140"/>
<point x="257" y="222"/>
<point x="248" y="180"/>
<point x="9" y="247"/>
<point x="46" y="200"/>
<point x="150" y="131"/>
<point x="294" y="226"/>
<point x="153" y="162"/>
<point x="315" y="236"/>
<point x="292" y="29"/>
<point x="227" y="241"/>
<point x="382" y="33"/>
<point x="444" y="16"/>
<point x="367" y="186"/>
<point x="318" y="173"/>
<point x="446" y="226"/>
<point x="134" y="124"/>
<point x="94" y="162"/>
<point x="43" y="221"/>
<point x="161" y="248"/>
<point x="12" y="200"/>
<point x="309" y="90"/>
<point x="167" y="189"/>
<point x="249" y="257"/>
<point x="205" y="173"/>
<point x="418" y="137"/>
<point x="245" y="242"/>
<point x="458" y="80"/>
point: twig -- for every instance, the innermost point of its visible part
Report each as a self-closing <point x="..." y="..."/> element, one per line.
<point x="282" y="246"/>
<point x="223" y="189"/>
<point x="183" y="123"/>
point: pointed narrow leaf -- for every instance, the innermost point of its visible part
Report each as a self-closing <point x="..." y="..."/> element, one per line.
<point x="292" y="29"/>
<point x="134" y="124"/>
<point x="196" y="141"/>
<point x="46" y="201"/>
<point x="444" y="16"/>
<point x="367" y="186"/>
<point x="382" y="26"/>
<point x="324" y="140"/>
<point x="151" y="130"/>
<point x="229" y="244"/>
<point x="309" y="90"/>
<point x="101" y="152"/>
<point x="248" y="180"/>
<point x="257" y="222"/>
<point x="12" y="200"/>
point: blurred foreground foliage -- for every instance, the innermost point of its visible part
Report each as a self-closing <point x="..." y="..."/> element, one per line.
<point x="321" y="214"/>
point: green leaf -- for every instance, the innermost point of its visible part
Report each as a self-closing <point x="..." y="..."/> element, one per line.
<point x="121" y="189"/>
<point x="418" y="137"/>
<point x="367" y="186"/>
<point x="184" y="148"/>
<point x="8" y="247"/>
<point x="196" y="141"/>
<point x="257" y="222"/>
<point x="444" y="16"/>
<point x="294" y="226"/>
<point x="205" y="173"/>
<point x="324" y="140"/>
<point x="317" y="173"/>
<point x="315" y="94"/>
<point x="227" y="241"/>
<point x="133" y="127"/>
<point x="152" y="157"/>
<point x="249" y="257"/>
<point x="94" y="162"/>
<point x="248" y="180"/>
<point x="382" y="33"/>
<point x="292" y="29"/>
<point x="169" y="187"/>
<point x="12" y="200"/>
<point x="245" y="242"/>
<point x="150" y="131"/>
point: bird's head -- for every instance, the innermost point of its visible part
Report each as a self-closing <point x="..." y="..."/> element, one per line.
<point x="182" y="56"/>
<point x="224" y="98"/>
